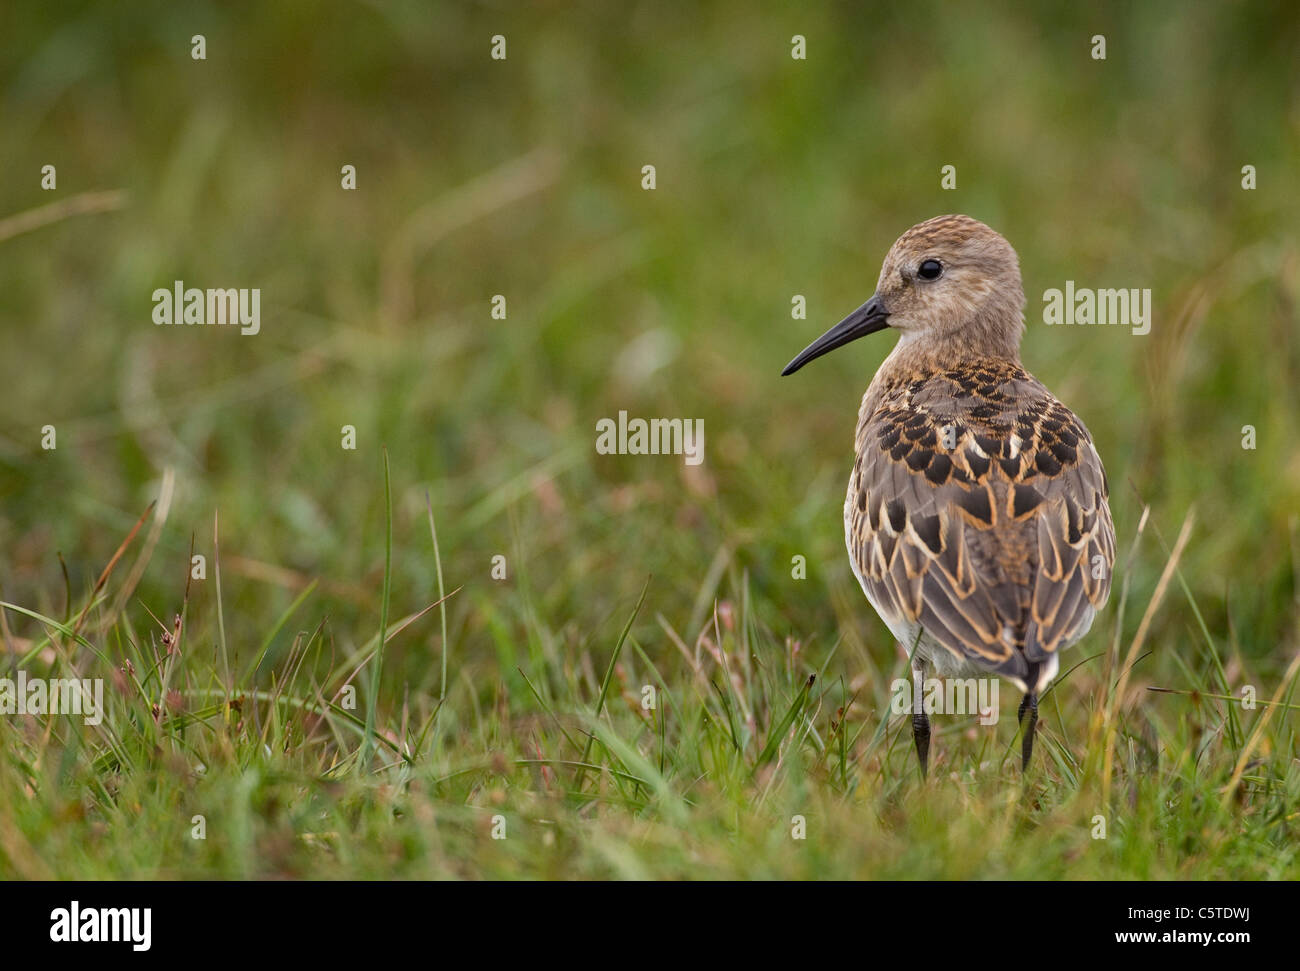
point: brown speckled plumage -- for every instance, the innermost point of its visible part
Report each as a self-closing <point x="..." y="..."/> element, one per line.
<point x="989" y="542"/>
<point x="976" y="517"/>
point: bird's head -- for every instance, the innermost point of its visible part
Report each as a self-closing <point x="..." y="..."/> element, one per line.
<point x="950" y="279"/>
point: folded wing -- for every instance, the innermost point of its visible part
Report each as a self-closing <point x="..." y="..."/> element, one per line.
<point x="978" y="508"/>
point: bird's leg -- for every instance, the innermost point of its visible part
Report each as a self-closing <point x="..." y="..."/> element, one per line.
<point x="920" y="721"/>
<point x="1030" y="703"/>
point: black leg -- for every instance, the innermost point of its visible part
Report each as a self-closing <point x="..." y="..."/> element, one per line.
<point x="921" y="735"/>
<point x="920" y="720"/>
<point x="1029" y="703"/>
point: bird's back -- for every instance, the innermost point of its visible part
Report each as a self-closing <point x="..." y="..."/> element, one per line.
<point x="978" y="509"/>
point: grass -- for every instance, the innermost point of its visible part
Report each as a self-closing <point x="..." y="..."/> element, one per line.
<point x="749" y="738"/>
<point x="651" y="689"/>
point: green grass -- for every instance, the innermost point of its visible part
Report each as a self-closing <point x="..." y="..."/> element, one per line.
<point x="749" y="736"/>
<point x="351" y="692"/>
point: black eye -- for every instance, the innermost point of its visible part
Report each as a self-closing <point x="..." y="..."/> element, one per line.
<point x="929" y="269"/>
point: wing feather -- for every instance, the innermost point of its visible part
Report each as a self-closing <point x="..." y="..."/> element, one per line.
<point x="978" y="509"/>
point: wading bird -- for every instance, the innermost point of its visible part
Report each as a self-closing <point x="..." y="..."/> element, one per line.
<point x="976" y="517"/>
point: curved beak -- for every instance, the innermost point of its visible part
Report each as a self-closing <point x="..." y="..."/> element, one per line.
<point x="867" y="319"/>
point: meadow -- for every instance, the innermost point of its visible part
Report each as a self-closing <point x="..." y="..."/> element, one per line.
<point x="472" y="645"/>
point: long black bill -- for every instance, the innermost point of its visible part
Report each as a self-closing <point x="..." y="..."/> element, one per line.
<point x="867" y="319"/>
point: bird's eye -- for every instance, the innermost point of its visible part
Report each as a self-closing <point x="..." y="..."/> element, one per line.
<point x="929" y="269"/>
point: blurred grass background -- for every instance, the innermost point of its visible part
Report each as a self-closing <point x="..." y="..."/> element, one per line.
<point x="522" y="177"/>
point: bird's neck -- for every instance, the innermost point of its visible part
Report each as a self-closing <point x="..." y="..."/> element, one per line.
<point x="917" y="356"/>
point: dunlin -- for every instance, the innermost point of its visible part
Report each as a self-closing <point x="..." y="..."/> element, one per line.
<point x="976" y="516"/>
